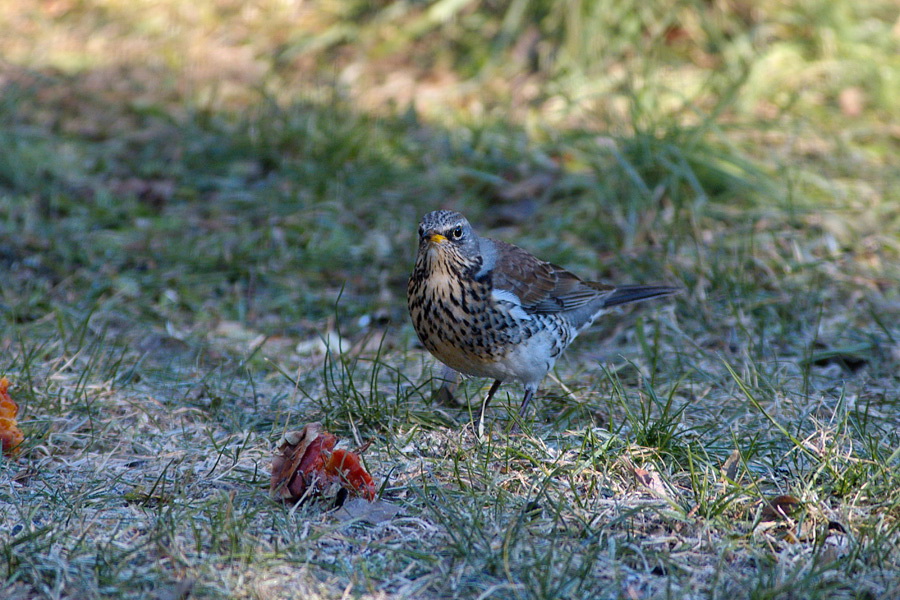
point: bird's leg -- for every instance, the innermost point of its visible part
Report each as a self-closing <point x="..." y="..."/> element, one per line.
<point x="479" y="423"/>
<point x="529" y="394"/>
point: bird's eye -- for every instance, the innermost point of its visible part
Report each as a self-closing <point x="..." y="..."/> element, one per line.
<point x="456" y="233"/>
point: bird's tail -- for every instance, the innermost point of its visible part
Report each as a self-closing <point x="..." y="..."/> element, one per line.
<point x="627" y="294"/>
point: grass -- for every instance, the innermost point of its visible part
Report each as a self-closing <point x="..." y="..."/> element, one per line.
<point x="207" y="218"/>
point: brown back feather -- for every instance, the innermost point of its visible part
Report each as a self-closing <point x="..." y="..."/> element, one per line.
<point x="542" y="287"/>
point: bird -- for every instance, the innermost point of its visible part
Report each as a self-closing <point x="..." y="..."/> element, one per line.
<point x="487" y="308"/>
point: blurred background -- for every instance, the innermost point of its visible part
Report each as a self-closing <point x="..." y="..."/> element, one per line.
<point x="191" y="163"/>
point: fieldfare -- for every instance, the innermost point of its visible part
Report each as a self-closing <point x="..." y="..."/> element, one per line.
<point x="490" y="309"/>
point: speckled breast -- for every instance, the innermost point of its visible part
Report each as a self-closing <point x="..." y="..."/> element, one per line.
<point x="458" y="320"/>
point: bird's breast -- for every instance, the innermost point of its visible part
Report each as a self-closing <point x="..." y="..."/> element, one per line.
<point x="478" y="330"/>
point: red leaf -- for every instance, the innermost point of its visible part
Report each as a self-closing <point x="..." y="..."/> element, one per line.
<point x="10" y="434"/>
<point x="345" y="465"/>
<point x="306" y="463"/>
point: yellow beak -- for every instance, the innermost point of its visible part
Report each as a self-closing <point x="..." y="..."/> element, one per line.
<point x="436" y="238"/>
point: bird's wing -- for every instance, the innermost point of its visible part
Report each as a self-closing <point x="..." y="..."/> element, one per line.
<point x="542" y="287"/>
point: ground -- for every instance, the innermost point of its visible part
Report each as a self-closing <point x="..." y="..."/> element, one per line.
<point x="208" y="215"/>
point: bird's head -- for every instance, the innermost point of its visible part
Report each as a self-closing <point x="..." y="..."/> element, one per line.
<point x="445" y="235"/>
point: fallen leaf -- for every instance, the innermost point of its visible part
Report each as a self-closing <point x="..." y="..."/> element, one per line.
<point x="731" y="466"/>
<point x="651" y="481"/>
<point x="346" y="466"/>
<point x="307" y="464"/>
<point x="292" y="466"/>
<point x="10" y="434"/>
<point x="779" y="508"/>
